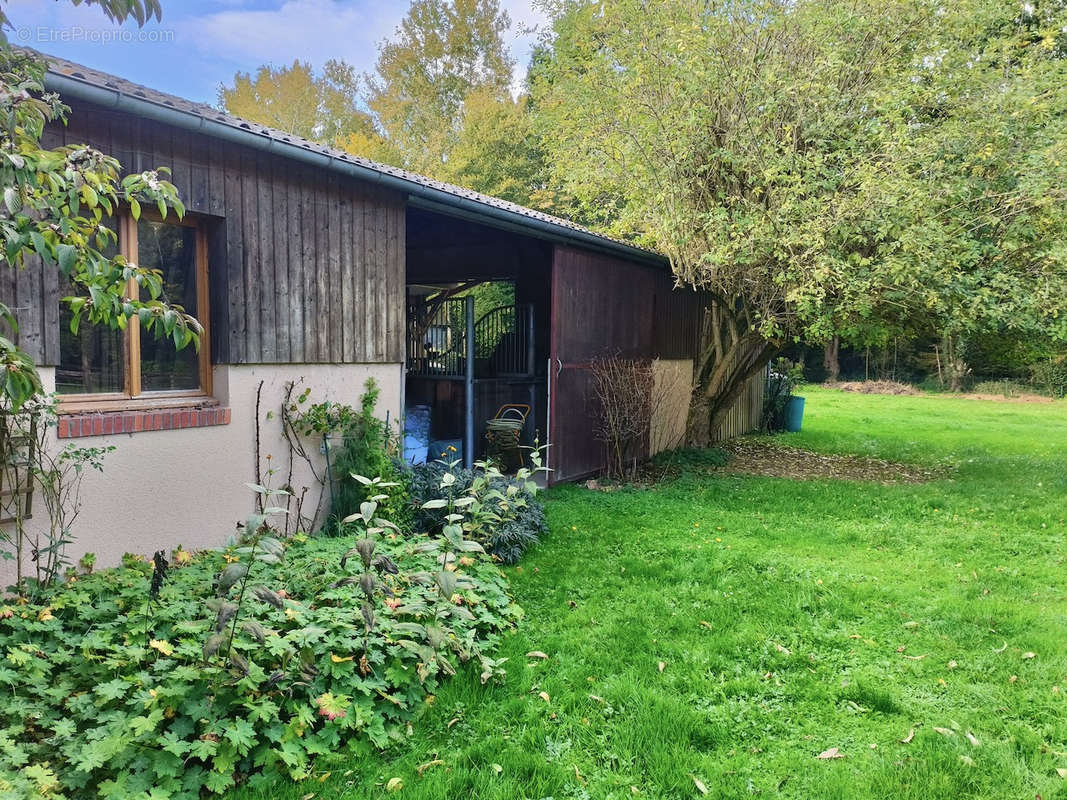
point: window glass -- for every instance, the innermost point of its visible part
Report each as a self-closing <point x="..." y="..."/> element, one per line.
<point x="172" y="250"/>
<point x="93" y="360"/>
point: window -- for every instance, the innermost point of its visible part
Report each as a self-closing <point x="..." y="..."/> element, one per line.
<point x="102" y="367"/>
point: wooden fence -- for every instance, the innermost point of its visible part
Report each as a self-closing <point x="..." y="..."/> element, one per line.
<point x="744" y="417"/>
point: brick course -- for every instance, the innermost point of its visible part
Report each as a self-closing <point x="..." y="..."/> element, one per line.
<point x="107" y="423"/>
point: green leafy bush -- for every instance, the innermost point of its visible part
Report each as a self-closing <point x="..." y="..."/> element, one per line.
<point x="784" y="376"/>
<point x="501" y="512"/>
<point x="114" y="686"/>
<point x="359" y="444"/>
<point x="1050" y="376"/>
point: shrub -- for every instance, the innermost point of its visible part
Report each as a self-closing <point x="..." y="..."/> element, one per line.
<point x="1050" y="376"/>
<point x="783" y="378"/>
<point x="110" y="688"/>
<point x="504" y="513"/>
<point x="360" y="444"/>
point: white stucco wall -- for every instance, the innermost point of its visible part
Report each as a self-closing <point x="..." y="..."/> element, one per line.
<point x="160" y="489"/>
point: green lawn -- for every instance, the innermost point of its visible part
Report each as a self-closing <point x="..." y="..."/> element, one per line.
<point x="790" y="617"/>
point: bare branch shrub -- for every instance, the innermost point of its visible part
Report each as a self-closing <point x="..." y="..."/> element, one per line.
<point x="629" y="399"/>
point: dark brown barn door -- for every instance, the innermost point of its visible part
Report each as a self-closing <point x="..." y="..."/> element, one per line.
<point x="600" y="306"/>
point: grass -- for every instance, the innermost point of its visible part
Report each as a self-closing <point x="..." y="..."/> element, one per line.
<point x="790" y="618"/>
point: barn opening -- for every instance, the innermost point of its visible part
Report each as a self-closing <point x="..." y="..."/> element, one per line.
<point x="477" y="340"/>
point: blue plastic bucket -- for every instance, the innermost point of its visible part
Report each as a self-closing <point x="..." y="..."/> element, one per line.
<point x="794" y="414"/>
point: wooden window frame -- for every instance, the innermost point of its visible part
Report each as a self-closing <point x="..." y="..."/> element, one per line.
<point x="132" y="397"/>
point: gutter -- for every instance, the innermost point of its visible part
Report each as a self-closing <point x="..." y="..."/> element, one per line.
<point x="416" y="194"/>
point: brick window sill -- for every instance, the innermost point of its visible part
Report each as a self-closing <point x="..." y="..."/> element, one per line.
<point x="109" y="423"/>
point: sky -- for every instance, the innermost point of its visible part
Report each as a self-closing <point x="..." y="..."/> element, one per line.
<point x="199" y="45"/>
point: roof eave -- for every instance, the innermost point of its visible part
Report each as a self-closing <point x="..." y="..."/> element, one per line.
<point x="417" y="194"/>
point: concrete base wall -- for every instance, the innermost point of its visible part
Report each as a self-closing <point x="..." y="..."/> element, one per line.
<point x="160" y="489"/>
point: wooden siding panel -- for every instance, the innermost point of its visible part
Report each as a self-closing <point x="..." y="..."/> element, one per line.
<point x="335" y="316"/>
<point x="235" y="255"/>
<point x="279" y="257"/>
<point x="359" y="274"/>
<point x="263" y="277"/>
<point x="343" y="331"/>
<point x="305" y="265"/>
<point x="309" y="226"/>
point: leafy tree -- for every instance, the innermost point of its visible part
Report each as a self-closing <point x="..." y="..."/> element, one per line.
<point x="497" y="152"/>
<point x="813" y="165"/>
<point x="294" y="99"/>
<point x="977" y="182"/>
<point x="53" y="209"/>
<point x="443" y="52"/>
<point x="732" y="137"/>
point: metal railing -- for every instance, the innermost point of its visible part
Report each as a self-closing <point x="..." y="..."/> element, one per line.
<point x="436" y="340"/>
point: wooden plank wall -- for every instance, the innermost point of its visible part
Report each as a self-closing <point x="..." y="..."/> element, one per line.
<point x="604" y="305"/>
<point x="306" y="266"/>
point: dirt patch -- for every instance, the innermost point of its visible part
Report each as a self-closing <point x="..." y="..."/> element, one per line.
<point x="896" y="388"/>
<point x="752" y="457"/>
<point x="874" y="387"/>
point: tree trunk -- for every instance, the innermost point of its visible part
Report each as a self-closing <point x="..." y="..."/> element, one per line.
<point x="831" y="360"/>
<point x="956" y="368"/>
<point x="731" y="353"/>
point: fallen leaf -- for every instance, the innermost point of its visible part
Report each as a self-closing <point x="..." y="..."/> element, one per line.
<point x="783" y="649"/>
<point x="916" y="658"/>
<point x="394" y="785"/>
<point x="596" y="697"/>
<point x="308" y="796"/>
<point x="1001" y="649"/>
<point x="324" y="776"/>
<point x="972" y="739"/>
<point x="1029" y="655"/>
<point x="661" y="666"/>
<point x="907" y="739"/>
<point x="911" y="624"/>
<point x="705" y="624"/>
<point x="967" y="760"/>
<point x="336" y="659"/>
<point x="578" y="775"/>
<point x="544" y="696"/>
<point x="423" y="767"/>
<point x="536" y="654"/>
<point x="1061" y="772"/>
<point x="699" y="784"/>
<point x="452" y="721"/>
<point x="634" y="790"/>
<point x="497" y="768"/>
<point x="833" y="752"/>
<point x="162" y="645"/>
<point x="952" y="665"/>
<point x="1013" y="678"/>
<point x="945" y="731"/>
